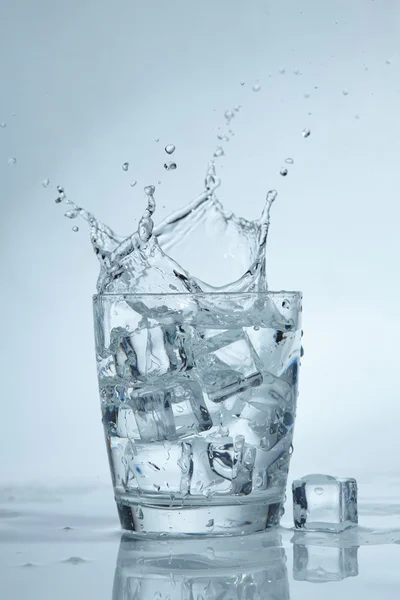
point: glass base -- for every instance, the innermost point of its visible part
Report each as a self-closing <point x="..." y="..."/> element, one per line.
<point x="212" y="520"/>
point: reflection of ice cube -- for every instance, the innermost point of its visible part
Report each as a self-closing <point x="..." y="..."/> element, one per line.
<point x="156" y="466"/>
<point x="227" y="364"/>
<point x="322" y="563"/>
<point x="222" y="466"/>
<point x="325" y="503"/>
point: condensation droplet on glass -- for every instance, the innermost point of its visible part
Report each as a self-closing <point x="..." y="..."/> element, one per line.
<point x="289" y="161"/>
<point x="283" y="172"/>
<point x="256" y="87"/>
<point x="125" y="166"/>
<point x="12" y="161"/>
<point x="133" y="183"/>
<point x="170" y="166"/>
<point x="169" y="148"/>
<point x="75" y="228"/>
<point x="319" y="491"/>
<point x="46" y="182"/>
<point x="219" y="152"/>
<point x="149" y="190"/>
<point x="301" y="352"/>
<point x="306" y="133"/>
<point x="345" y="92"/>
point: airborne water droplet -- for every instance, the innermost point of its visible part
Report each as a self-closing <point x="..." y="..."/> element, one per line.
<point x="256" y="87"/>
<point x="133" y="183"/>
<point x="58" y="200"/>
<point x="170" y="166"/>
<point x="149" y="190"/>
<point x="12" y="161"/>
<point x="169" y="148"/>
<point x="306" y="133"/>
<point x="345" y="93"/>
<point x="72" y="214"/>
<point x="229" y="114"/>
<point x="219" y="152"/>
<point x="289" y="161"/>
<point x="282" y="71"/>
<point x="125" y="166"/>
<point x="46" y="182"/>
<point x="75" y="228"/>
<point x="157" y="140"/>
<point x="242" y="82"/>
<point x="3" y="124"/>
<point x="283" y="172"/>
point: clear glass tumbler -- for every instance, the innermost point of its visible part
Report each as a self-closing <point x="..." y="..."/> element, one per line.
<point x="198" y="396"/>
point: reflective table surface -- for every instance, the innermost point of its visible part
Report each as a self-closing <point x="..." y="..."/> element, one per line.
<point x="66" y="543"/>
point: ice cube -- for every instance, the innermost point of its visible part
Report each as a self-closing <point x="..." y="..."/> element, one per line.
<point x="279" y="349"/>
<point x="190" y="411"/>
<point x="226" y="364"/>
<point x="322" y="563"/>
<point x="222" y="466"/>
<point x="152" y="408"/>
<point x="324" y="503"/>
<point x="156" y="466"/>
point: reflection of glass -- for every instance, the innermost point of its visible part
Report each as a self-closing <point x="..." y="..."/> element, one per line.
<point x="251" y="568"/>
<point x="198" y="396"/>
<point x="321" y="558"/>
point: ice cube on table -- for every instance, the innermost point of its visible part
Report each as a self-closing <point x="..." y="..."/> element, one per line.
<point x="226" y="364"/>
<point x="320" y="564"/>
<point x="324" y="503"/>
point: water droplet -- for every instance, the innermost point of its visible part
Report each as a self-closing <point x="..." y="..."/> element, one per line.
<point x="306" y="133"/>
<point x="271" y="195"/>
<point x="258" y="481"/>
<point x="125" y="166"/>
<point x="67" y="529"/>
<point x="133" y="183"/>
<point x="149" y="190"/>
<point x="242" y="82"/>
<point x="289" y="161"/>
<point x="46" y="182"/>
<point x="61" y="191"/>
<point x="256" y="87"/>
<point x="58" y="200"/>
<point x="72" y="214"/>
<point x="170" y="166"/>
<point x="301" y="351"/>
<point x="238" y="107"/>
<point x="157" y="140"/>
<point x="345" y="92"/>
<point x="169" y="148"/>
<point x="296" y="72"/>
<point x="159" y="182"/>
<point x="28" y="565"/>
<point x="75" y="228"/>
<point x="210" y="523"/>
<point x="256" y="328"/>
<point x="3" y="124"/>
<point x="319" y="491"/>
<point x="74" y="560"/>
<point x="357" y="117"/>
<point x="158" y="488"/>
<point x="140" y="514"/>
<point x="291" y="449"/>
<point x="219" y="152"/>
<point x="283" y="172"/>
<point x="282" y="71"/>
<point x="157" y="596"/>
<point x="388" y="61"/>
<point x="12" y="161"/>
<point x="229" y="114"/>
<point x="210" y="553"/>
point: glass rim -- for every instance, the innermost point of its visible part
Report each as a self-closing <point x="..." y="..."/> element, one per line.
<point x="273" y="294"/>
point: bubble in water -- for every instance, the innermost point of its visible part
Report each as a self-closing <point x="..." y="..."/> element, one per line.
<point x="345" y="92"/>
<point x="149" y="190"/>
<point x="46" y="182"/>
<point x="319" y="491"/>
<point x="306" y="133"/>
<point x="125" y="166"/>
<point x="256" y="87"/>
<point x="12" y="161"/>
<point x="72" y="214"/>
<point x="289" y="161"/>
<point x="229" y="114"/>
<point x="170" y="166"/>
<point x="133" y="183"/>
<point x="3" y="124"/>
<point x="169" y="148"/>
<point x="219" y="152"/>
<point x="283" y="172"/>
<point x="75" y="228"/>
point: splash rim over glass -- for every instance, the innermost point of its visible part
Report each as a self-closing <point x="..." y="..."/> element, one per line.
<point x="226" y="457"/>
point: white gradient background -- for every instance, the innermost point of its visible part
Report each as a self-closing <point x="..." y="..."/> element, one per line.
<point x="92" y="84"/>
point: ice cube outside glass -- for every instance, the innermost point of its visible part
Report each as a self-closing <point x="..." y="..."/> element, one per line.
<point x="198" y="398"/>
<point x="324" y="503"/>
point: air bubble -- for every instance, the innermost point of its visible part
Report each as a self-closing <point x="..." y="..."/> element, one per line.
<point x="306" y="133"/>
<point x="171" y="166"/>
<point x="169" y="148"/>
<point x="301" y="352"/>
<point x="319" y="491"/>
<point x="283" y="172"/>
